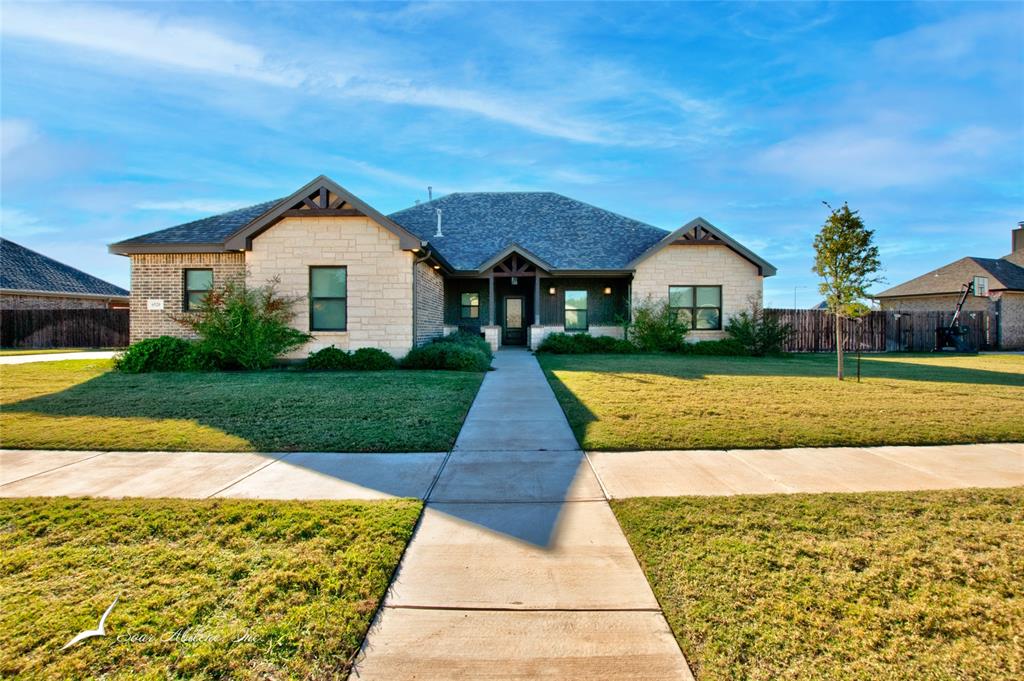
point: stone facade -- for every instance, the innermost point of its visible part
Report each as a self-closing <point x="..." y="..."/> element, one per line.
<point x="428" y="296"/>
<point x="19" y="301"/>
<point x="379" y="272"/>
<point x="1005" y="306"/>
<point x="696" y="266"/>
<point x="161" y="276"/>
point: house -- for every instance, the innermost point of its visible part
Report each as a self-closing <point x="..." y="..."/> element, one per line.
<point x="998" y="290"/>
<point x="514" y="266"/>
<point x="32" y="281"/>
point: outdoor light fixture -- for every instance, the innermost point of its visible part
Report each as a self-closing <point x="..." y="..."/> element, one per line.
<point x="551" y="291"/>
<point x="607" y="290"/>
<point x="515" y="281"/>
<point x="437" y="267"/>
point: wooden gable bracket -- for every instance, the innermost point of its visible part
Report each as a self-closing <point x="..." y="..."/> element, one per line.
<point x="512" y="267"/>
<point x="698" y="235"/>
<point x="322" y="203"/>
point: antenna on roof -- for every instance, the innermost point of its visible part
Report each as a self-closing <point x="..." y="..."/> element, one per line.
<point x="438" y="211"/>
<point x="430" y="193"/>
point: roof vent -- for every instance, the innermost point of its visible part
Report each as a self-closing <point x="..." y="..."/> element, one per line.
<point x="438" y="233"/>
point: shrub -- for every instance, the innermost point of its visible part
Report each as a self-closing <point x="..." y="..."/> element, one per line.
<point x="247" y="327"/>
<point x="656" y="328"/>
<point x="165" y="353"/>
<point x="727" y="347"/>
<point x="371" y="359"/>
<point x="583" y="343"/>
<point x="757" y="333"/>
<point x="447" y="356"/>
<point x="469" y="339"/>
<point x="329" y="359"/>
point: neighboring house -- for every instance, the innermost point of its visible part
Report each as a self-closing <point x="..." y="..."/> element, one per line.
<point x="30" y="280"/>
<point x="999" y="284"/>
<point x="514" y="266"/>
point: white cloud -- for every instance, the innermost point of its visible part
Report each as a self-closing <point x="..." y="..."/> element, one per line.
<point x="18" y="223"/>
<point x="863" y="157"/>
<point x="192" y="205"/>
<point x="140" y="35"/>
<point x="16" y="133"/>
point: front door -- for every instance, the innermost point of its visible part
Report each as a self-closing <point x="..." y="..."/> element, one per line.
<point x="513" y="330"/>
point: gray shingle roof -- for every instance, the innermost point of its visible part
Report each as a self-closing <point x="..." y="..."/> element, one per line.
<point x="211" y="230"/>
<point x="23" y="269"/>
<point x="563" y="232"/>
<point x="1002" y="275"/>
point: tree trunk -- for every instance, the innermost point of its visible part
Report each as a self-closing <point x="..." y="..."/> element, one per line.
<point x="839" y="347"/>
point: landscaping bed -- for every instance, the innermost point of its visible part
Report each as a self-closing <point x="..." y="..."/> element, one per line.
<point x="650" y="401"/>
<point x="83" y="404"/>
<point x="205" y="589"/>
<point x="911" y="585"/>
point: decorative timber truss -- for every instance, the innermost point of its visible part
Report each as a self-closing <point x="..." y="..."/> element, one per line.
<point x="514" y="266"/>
<point x="698" y="235"/>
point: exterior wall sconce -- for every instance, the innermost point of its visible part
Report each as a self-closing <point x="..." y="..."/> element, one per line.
<point x="607" y="290"/>
<point x="515" y="281"/>
<point x="551" y="291"/>
<point x="437" y="267"/>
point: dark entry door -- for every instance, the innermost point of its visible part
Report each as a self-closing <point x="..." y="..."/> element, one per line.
<point x="514" y="330"/>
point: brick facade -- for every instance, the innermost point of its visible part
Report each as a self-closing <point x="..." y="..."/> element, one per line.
<point x="700" y="265"/>
<point x="428" y="297"/>
<point x="161" y="276"/>
<point x="11" y="301"/>
<point x="380" y="278"/>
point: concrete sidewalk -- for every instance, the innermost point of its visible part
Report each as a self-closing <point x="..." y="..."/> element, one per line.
<point x="57" y="356"/>
<point x="518" y="568"/>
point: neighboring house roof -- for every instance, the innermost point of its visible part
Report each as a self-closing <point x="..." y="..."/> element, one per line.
<point x="556" y="232"/>
<point x="564" y="233"/>
<point x="22" y="269"/>
<point x="1002" y="275"/>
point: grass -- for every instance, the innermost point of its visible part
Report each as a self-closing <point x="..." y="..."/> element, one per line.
<point x="83" y="404"/>
<point x="688" y="402"/>
<point x="47" y="351"/>
<point x="915" y="585"/>
<point x="302" y="580"/>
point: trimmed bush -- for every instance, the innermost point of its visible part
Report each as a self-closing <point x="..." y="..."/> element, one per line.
<point x="363" y="359"/>
<point x="656" y="328"/>
<point x="165" y="353"/>
<point x="583" y="344"/>
<point x="329" y="359"/>
<point x="447" y="357"/>
<point x="727" y="347"/>
<point x="371" y="359"/>
<point x="469" y="339"/>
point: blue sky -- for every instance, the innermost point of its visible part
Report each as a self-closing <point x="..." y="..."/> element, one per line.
<point x="122" y="118"/>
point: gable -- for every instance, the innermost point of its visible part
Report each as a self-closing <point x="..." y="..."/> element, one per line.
<point x="700" y="232"/>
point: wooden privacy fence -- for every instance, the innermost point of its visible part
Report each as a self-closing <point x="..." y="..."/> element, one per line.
<point x="878" y="331"/>
<point x="83" y="328"/>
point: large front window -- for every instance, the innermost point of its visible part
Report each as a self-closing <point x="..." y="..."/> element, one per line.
<point x="198" y="284"/>
<point x="575" y="310"/>
<point x="470" y="305"/>
<point x="697" y="307"/>
<point x="328" y="299"/>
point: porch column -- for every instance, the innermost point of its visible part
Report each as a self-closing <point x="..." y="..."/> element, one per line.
<point x="490" y="297"/>
<point x="536" y="299"/>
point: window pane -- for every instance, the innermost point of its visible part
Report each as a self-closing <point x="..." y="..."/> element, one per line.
<point x="685" y="316"/>
<point x="707" y="318"/>
<point x="575" y="319"/>
<point x="195" y="300"/>
<point x="680" y="296"/>
<point x="575" y="300"/>
<point x="198" y="280"/>
<point x="470" y="312"/>
<point x="471" y="299"/>
<point x="709" y="296"/>
<point x="328" y="282"/>
<point x="328" y="314"/>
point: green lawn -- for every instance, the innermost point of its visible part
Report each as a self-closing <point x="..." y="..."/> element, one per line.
<point x="617" y="402"/>
<point x="83" y="404"/>
<point x="914" y="585"/>
<point x="298" y="582"/>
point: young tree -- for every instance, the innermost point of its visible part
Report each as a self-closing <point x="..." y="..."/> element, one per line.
<point x="846" y="260"/>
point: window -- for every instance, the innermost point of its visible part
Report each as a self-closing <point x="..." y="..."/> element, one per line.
<point x="575" y="310"/>
<point x="197" y="284"/>
<point x="981" y="286"/>
<point x="328" y="298"/>
<point x="470" y="305"/>
<point x="697" y="307"/>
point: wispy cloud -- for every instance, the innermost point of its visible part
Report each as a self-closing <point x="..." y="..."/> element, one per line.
<point x="18" y="223"/>
<point x="192" y="205"/>
<point x="16" y="133"/>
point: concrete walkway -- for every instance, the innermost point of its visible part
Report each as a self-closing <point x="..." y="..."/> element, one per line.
<point x="518" y="568"/>
<point x="57" y="356"/>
